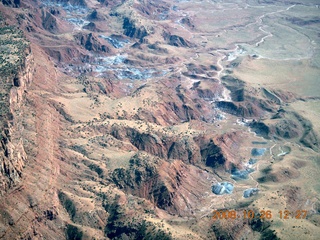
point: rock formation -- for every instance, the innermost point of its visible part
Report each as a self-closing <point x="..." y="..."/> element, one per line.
<point x="133" y="31"/>
<point x="91" y="43"/>
<point x="176" y="40"/>
<point x="12" y="3"/>
<point x="15" y="78"/>
<point x="135" y="120"/>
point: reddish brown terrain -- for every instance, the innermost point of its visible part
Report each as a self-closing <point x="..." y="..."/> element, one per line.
<point x="138" y="119"/>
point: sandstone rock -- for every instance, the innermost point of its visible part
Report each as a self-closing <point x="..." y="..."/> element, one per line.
<point x="12" y="153"/>
<point x="14" y="82"/>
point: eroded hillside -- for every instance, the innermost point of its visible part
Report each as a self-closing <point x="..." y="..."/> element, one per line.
<point x="143" y="117"/>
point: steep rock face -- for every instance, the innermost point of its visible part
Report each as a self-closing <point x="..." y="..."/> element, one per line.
<point x="288" y="125"/>
<point x="252" y="102"/>
<point x="245" y="109"/>
<point x="175" y="111"/>
<point x="196" y="69"/>
<point x="229" y="147"/>
<point x="240" y="229"/>
<point x="91" y="27"/>
<point x="111" y="2"/>
<point x="167" y="185"/>
<point x="183" y="112"/>
<point x="176" y="40"/>
<point x="215" y="153"/>
<point x="308" y="138"/>
<point x="49" y="22"/>
<point x="187" y="22"/>
<point x="209" y="91"/>
<point x="142" y="179"/>
<point x="93" y="16"/>
<point x="73" y="2"/>
<point x="64" y="53"/>
<point x="12" y="154"/>
<point x="153" y="9"/>
<point x="22" y="79"/>
<point x="133" y="31"/>
<point x="206" y="94"/>
<point x="91" y="43"/>
<point x="185" y="186"/>
<point x="184" y="149"/>
<point x="211" y="155"/>
<point x="12" y="3"/>
<point x="236" y="88"/>
<point x="104" y="86"/>
<point x="260" y="128"/>
<point x="12" y="157"/>
<point x="151" y="143"/>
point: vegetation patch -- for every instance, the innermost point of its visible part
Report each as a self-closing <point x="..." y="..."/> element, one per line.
<point x="73" y="233"/>
<point x="68" y="204"/>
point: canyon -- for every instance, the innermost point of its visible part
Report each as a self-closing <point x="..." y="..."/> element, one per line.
<point x="138" y="119"/>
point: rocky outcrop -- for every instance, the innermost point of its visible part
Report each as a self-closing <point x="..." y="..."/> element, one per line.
<point x="73" y="2"/>
<point x="246" y="109"/>
<point x="219" y="152"/>
<point x="252" y="102"/>
<point x="142" y="179"/>
<point x="12" y="3"/>
<point x="308" y="138"/>
<point x="12" y="159"/>
<point x="184" y="149"/>
<point x="133" y="31"/>
<point x="93" y="16"/>
<point x="91" y="43"/>
<point x="156" y="48"/>
<point x="167" y="185"/>
<point x="111" y="3"/>
<point x="176" y="109"/>
<point x="187" y="22"/>
<point x="64" y="53"/>
<point x="151" y="143"/>
<point x="211" y="89"/>
<point x="196" y="69"/>
<point x="260" y="128"/>
<point x="288" y="125"/>
<point x="91" y="27"/>
<point x="14" y="81"/>
<point x="157" y="10"/>
<point x="236" y="88"/>
<point x="176" y="40"/>
<point x="54" y="11"/>
<point x="104" y="86"/>
<point x="212" y="156"/>
<point x="254" y="228"/>
<point x="49" y="22"/>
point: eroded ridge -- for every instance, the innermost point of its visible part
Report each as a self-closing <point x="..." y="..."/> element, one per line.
<point x="148" y="118"/>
